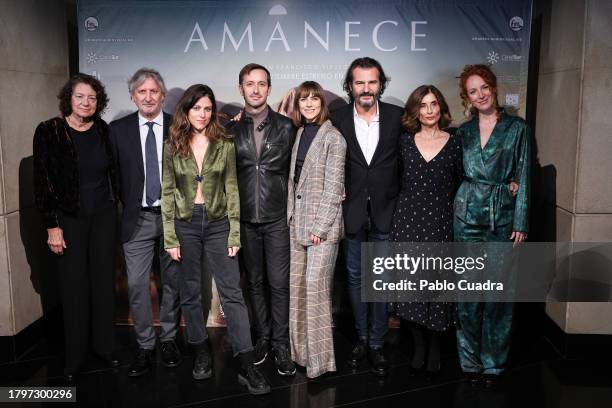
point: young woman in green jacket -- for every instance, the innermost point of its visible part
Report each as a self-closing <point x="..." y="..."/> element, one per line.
<point x="201" y="219"/>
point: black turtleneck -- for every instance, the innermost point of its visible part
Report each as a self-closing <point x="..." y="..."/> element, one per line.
<point x="308" y="135"/>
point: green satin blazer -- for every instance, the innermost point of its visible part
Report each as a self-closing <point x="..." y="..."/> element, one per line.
<point x="484" y="197"/>
<point x="220" y="188"/>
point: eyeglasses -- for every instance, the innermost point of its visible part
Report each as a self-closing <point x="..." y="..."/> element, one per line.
<point x="80" y="98"/>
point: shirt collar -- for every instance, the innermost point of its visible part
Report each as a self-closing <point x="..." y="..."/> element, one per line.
<point x="158" y="120"/>
<point x="376" y="117"/>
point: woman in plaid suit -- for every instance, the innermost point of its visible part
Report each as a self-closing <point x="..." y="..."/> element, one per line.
<point x="314" y="214"/>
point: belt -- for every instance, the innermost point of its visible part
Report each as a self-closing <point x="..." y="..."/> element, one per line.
<point x="494" y="198"/>
<point x="154" y="210"/>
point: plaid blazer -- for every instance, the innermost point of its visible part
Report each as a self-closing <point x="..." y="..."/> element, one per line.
<point x="315" y="204"/>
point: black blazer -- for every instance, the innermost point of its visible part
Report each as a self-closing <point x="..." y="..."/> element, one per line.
<point x="56" y="175"/>
<point x="380" y="179"/>
<point x="125" y="139"/>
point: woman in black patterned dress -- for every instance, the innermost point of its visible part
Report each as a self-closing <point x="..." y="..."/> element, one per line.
<point x="431" y="171"/>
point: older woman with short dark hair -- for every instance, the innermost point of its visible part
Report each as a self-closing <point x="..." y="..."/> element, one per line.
<point x="75" y="191"/>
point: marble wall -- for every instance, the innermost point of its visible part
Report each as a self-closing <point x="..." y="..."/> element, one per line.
<point x="33" y="65"/>
<point x="573" y="134"/>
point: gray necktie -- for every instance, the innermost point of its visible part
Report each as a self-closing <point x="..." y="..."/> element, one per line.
<point x="152" y="167"/>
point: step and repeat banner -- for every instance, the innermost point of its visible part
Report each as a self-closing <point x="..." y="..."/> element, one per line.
<point x="416" y="41"/>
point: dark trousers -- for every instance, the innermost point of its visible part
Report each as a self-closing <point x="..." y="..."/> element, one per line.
<point x="86" y="271"/>
<point x="201" y="238"/>
<point x="265" y="255"/>
<point x="483" y="328"/>
<point x="371" y="319"/>
<point x="145" y="242"/>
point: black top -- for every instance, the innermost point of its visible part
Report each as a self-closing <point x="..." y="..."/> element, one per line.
<point x="93" y="167"/>
<point x="308" y="135"/>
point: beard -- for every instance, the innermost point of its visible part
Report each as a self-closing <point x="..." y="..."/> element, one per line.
<point x="366" y="104"/>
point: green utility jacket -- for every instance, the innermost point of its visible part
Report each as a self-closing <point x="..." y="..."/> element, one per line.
<point x="219" y="185"/>
<point x="484" y="197"/>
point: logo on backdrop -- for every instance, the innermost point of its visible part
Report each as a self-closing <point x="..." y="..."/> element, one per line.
<point x="516" y="23"/>
<point x="91" y="24"/>
<point x="512" y="58"/>
<point x="493" y="57"/>
<point x="93" y="58"/>
<point x="512" y="99"/>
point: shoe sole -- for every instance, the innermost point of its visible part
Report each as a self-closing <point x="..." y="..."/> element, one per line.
<point x="379" y="373"/>
<point x="261" y="361"/>
<point x="286" y="374"/>
<point x="138" y="374"/>
<point x="172" y="365"/>
<point x="204" y="376"/>
<point x="243" y="381"/>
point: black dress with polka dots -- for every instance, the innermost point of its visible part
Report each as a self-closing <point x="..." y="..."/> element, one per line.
<point x="424" y="213"/>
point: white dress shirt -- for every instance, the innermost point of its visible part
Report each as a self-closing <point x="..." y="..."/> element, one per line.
<point x="367" y="133"/>
<point x="158" y="129"/>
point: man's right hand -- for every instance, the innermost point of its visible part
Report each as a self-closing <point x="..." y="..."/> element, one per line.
<point x="175" y="253"/>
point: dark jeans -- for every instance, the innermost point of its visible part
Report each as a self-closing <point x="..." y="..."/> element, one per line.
<point x="265" y="251"/>
<point x="202" y="238"/>
<point x="86" y="271"/>
<point x="371" y="320"/>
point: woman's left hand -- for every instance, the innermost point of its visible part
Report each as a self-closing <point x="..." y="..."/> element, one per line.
<point x="315" y="240"/>
<point x="518" y="237"/>
<point x="232" y="251"/>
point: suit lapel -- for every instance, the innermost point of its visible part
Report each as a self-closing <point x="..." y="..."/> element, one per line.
<point x="134" y="133"/>
<point x="496" y="138"/>
<point x="313" y="152"/>
<point x="348" y="130"/>
<point x="167" y="121"/>
<point x="383" y="124"/>
<point x="296" y="144"/>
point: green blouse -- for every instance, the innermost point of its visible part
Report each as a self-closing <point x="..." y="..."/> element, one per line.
<point x="484" y="197"/>
<point x="219" y="185"/>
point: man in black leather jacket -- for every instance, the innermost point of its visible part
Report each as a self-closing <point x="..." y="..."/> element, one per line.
<point x="263" y="141"/>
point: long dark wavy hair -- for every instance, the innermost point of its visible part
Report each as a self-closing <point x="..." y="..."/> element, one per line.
<point x="65" y="94"/>
<point x="364" y="62"/>
<point x="181" y="130"/>
<point x="487" y="75"/>
<point x="410" y="119"/>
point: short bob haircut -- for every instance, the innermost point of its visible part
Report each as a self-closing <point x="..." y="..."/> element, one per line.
<point x="65" y="94"/>
<point x="410" y="119"/>
<point x="304" y="90"/>
<point x="364" y="62"/>
<point x="487" y="75"/>
<point x="248" y="68"/>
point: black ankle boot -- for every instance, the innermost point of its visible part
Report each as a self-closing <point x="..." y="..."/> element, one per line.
<point x="250" y="376"/>
<point x="202" y="364"/>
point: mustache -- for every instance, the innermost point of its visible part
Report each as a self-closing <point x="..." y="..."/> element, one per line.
<point x="366" y="94"/>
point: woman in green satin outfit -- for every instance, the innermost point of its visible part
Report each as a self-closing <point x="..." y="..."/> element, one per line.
<point x="491" y="205"/>
<point x="201" y="220"/>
